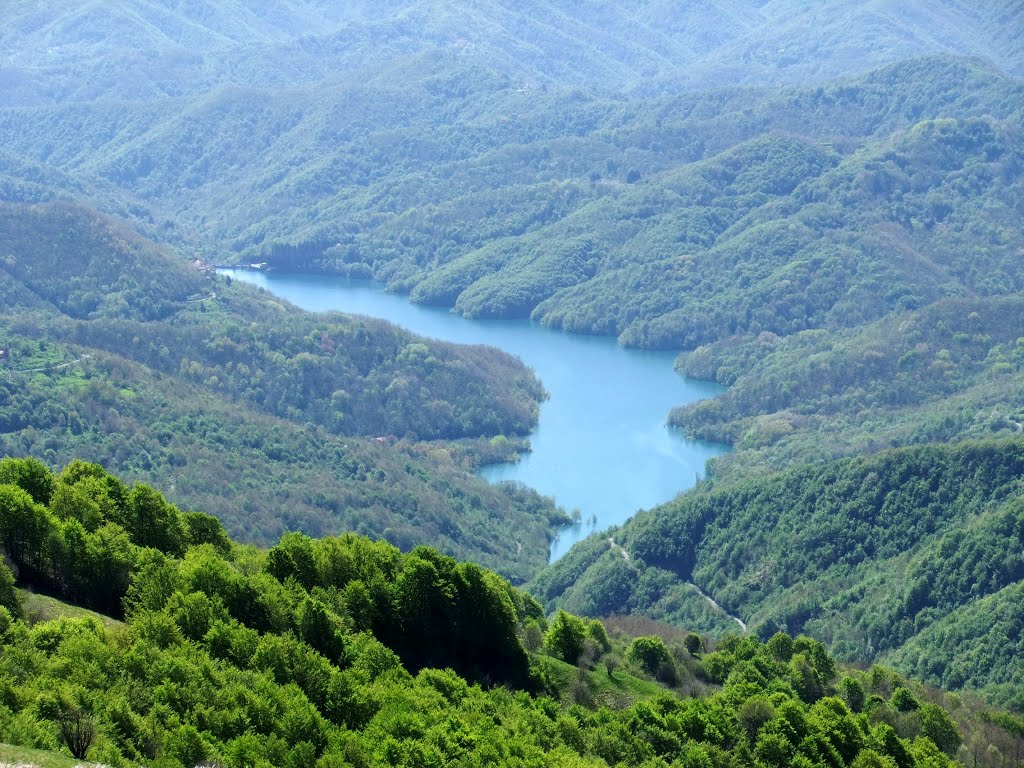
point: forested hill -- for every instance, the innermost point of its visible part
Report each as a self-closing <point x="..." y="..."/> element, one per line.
<point x="433" y="145"/>
<point x="119" y="351"/>
<point x="136" y="50"/>
<point x="353" y="376"/>
<point x="461" y="187"/>
<point x="910" y="556"/>
<point x="948" y="371"/>
<point x="344" y="652"/>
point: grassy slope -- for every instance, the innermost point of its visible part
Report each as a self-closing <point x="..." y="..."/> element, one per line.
<point x="23" y="757"/>
<point x="39" y="608"/>
<point x="604" y="690"/>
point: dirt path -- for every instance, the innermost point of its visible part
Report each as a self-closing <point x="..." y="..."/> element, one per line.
<point x="717" y="607"/>
<point x="54" y="367"/>
<point x="613" y="545"/>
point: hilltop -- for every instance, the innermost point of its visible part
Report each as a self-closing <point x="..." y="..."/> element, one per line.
<point x="134" y="50"/>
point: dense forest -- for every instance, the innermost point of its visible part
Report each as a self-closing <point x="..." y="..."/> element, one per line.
<point x="761" y="182"/>
<point x="744" y="211"/>
<point x="457" y="174"/>
<point x="345" y="652"/>
<point x="905" y="556"/>
<point x="272" y="418"/>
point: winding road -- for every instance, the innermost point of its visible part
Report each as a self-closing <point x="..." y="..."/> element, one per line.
<point x="717" y="607"/>
<point x="53" y="367"/>
<point x="711" y="601"/>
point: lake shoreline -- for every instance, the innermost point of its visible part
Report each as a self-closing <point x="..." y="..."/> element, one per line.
<point x="602" y="445"/>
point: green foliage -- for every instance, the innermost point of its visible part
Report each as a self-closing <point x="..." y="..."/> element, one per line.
<point x="137" y="557"/>
<point x="937" y="374"/>
<point x="614" y="47"/>
<point x="694" y="643"/>
<point x="565" y="637"/>
<point x="903" y="700"/>
<point x="850" y="690"/>
<point x="940" y="729"/>
<point x="31" y="475"/>
<point x="971" y="647"/>
<point x="352" y="377"/>
<point x="202" y="528"/>
<point x="9" y="599"/>
<point x="810" y="236"/>
<point x="580" y="180"/>
<point x="653" y="657"/>
<point x="244" y="657"/>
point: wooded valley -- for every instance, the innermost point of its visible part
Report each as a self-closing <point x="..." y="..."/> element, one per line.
<point x="816" y="205"/>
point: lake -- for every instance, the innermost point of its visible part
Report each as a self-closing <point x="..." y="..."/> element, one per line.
<point x="601" y="445"/>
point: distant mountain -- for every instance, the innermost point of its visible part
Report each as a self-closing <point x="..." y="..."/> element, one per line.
<point x="137" y="50"/>
<point x="445" y="147"/>
<point x="453" y="183"/>
<point x="793" y="41"/>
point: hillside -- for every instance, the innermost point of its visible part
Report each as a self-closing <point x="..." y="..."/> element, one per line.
<point x="946" y="372"/>
<point x="895" y="557"/>
<point x="399" y="139"/>
<point x="333" y="652"/>
<point x="770" y="183"/>
<point x="534" y="161"/>
<point x="793" y="41"/>
<point x="120" y="352"/>
<point x="841" y="148"/>
<point x="134" y="50"/>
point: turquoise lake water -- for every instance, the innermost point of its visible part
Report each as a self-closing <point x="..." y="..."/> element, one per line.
<point x="601" y="446"/>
